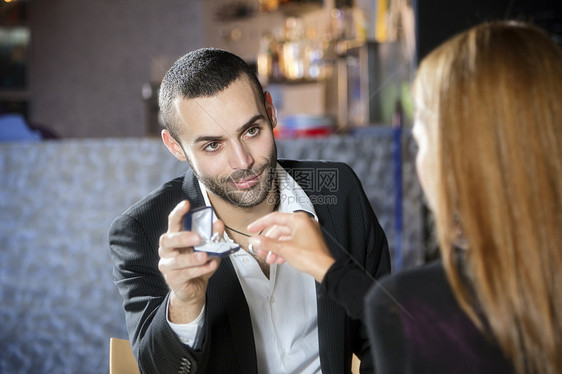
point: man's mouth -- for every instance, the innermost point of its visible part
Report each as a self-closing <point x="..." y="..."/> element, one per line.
<point x="247" y="183"/>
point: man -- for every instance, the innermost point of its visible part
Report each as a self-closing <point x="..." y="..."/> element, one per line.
<point x="192" y="312"/>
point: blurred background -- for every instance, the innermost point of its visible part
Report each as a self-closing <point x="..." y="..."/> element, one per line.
<point x="79" y="133"/>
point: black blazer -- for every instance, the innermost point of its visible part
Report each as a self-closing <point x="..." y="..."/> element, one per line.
<point x="228" y="347"/>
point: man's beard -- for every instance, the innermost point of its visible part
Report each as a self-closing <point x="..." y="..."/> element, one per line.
<point x="247" y="197"/>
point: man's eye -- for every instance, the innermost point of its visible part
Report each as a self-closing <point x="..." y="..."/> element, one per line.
<point x="253" y="131"/>
<point x="211" y="147"/>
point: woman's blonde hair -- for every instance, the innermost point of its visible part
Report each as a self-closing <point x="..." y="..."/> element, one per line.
<point x="494" y="95"/>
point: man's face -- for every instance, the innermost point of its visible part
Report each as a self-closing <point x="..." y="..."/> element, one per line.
<point x="228" y="141"/>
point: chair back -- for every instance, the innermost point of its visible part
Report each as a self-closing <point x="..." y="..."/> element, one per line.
<point x="121" y="358"/>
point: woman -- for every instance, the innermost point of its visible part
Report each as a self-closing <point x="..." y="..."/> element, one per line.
<point x="488" y="124"/>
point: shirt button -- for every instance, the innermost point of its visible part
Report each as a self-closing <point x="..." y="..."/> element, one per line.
<point x="245" y="261"/>
<point x="272" y="300"/>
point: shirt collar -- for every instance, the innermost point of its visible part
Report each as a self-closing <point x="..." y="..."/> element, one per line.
<point x="292" y="196"/>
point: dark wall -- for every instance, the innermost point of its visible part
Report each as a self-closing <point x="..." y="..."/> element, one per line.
<point x="437" y="20"/>
<point x="90" y="60"/>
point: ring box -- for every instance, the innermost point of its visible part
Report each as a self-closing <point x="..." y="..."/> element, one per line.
<point x="200" y="220"/>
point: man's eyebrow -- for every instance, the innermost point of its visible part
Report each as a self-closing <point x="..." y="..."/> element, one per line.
<point x="208" y="138"/>
<point x="241" y="129"/>
<point x="251" y="122"/>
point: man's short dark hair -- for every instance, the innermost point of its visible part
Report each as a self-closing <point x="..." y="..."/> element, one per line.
<point x="200" y="73"/>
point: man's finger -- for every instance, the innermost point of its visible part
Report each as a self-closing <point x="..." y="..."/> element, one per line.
<point x="183" y="261"/>
<point x="175" y="218"/>
<point x="171" y="242"/>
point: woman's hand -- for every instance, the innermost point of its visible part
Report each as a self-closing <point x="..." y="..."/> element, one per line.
<point x="293" y="237"/>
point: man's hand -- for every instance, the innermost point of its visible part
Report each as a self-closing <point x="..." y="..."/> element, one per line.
<point x="295" y="238"/>
<point x="186" y="272"/>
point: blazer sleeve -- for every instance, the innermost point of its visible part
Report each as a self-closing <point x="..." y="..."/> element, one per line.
<point x="347" y="284"/>
<point x="145" y="293"/>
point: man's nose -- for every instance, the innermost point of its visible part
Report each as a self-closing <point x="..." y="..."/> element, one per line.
<point x="241" y="157"/>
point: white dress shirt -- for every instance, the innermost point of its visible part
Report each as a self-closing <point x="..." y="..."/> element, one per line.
<point x="283" y="308"/>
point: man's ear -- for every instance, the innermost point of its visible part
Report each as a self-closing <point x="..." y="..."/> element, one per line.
<point x="173" y="146"/>
<point x="270" y="109"/>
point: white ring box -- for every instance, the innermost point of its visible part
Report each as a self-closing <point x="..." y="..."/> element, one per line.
<point x="200" y="220"/>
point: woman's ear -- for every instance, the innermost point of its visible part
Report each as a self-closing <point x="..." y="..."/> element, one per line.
<point x="173" y="146"/>
<point x="270" y="109"/>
